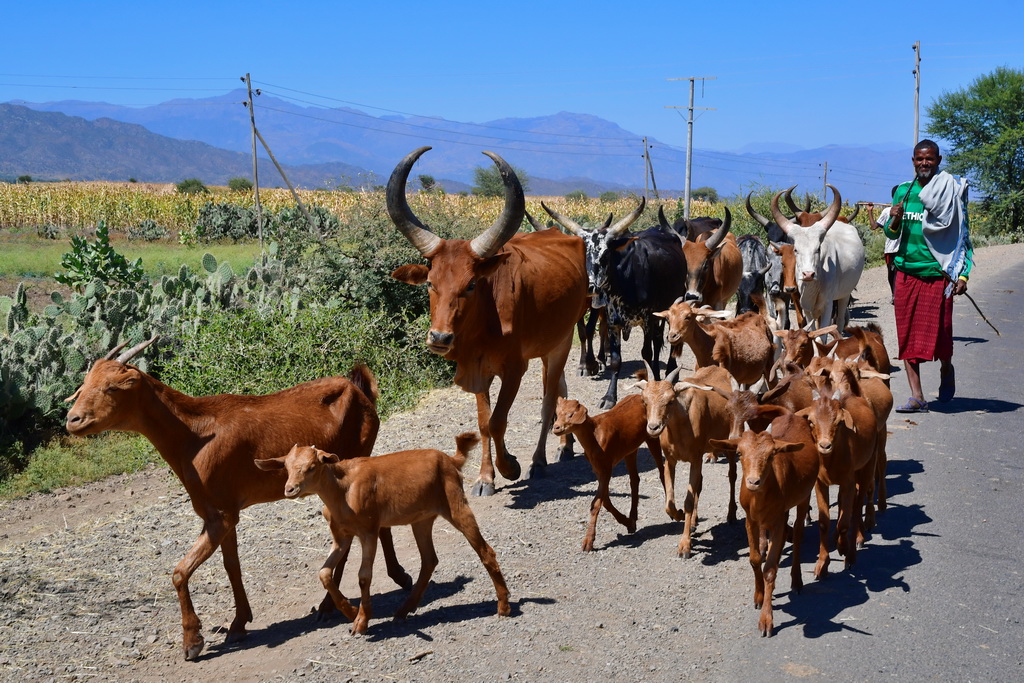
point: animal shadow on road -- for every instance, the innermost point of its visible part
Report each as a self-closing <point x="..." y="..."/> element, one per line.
<point x="963" y="404"/>
<point x="880" y="564"/>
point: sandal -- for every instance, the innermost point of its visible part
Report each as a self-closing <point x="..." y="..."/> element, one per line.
<point x="913" y="405"/>
<point x="947" y="385"/>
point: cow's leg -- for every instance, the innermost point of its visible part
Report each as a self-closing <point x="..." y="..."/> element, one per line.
<point x="484" y="485"/>
<point x="554" y="386"/>
<point x="842" y="313"/>
<point x="215" y="527"/>
<point x="611" y="397"/>
<point x="243" y="614"/>
<point x="511" y="379"/>
<point x="588" y="366"/>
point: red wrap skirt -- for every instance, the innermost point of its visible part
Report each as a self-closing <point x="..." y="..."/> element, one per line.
<point x="924" y="318"/>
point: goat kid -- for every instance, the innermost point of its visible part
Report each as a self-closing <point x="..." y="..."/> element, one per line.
<point x="364" y="496"/>
<point x="607" y="439"/>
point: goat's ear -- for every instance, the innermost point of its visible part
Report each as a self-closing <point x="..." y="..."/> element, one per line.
<point x="806" y="412"/>
<point x="787" y="446"/>
<point x="327" y="458"/>
<point x="412" y="274"/>
<point x="74" y="396"/>
<point x="847" y="419"/>
<point x="661" y="314"/>
<point x="639" y="385"/>
<point x="270" y="464"/>
<point x="723" y="444"/>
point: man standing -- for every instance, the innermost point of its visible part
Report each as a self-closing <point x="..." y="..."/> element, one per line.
<point x="933" y="263"/>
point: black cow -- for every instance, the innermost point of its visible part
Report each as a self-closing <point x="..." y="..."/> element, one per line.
<point x="632" y="275"/>
<point x="755" y="265"/>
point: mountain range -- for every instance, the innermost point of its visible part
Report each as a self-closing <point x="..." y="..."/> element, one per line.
<point x="211" y="139"/>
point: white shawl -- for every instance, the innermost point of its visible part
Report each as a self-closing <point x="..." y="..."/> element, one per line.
<point x="945" y="222"/>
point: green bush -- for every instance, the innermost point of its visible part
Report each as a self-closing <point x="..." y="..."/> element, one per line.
<point x="576" y="195"/>
<point x="148" y="231"/>
<point x="609" y="196"/>
<point x="225" y="221"/>
<point x="240" y="184"/>
<point x="88" y="261"/>
<point x="191" y="186"/>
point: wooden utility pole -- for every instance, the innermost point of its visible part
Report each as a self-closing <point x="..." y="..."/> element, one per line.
<point x="689" y="137"/>
<point x="649" y="171"/>
<point x="255" y="167"/>
<point x="917" y="90"/>
<point x="824" y="185"/>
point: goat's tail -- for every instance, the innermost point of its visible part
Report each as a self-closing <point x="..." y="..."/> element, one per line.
<point x="364" y="380"/>
<point x="464" y="443"/>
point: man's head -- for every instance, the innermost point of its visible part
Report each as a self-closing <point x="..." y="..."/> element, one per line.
<point x="926" y="160"/>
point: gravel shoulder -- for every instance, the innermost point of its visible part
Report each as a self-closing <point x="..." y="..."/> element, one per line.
<point x="86" y="590"/>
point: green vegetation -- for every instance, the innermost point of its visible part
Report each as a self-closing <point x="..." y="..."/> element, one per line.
<point x="240" y="184"/>
<point x="97" y="260"/>
<point x="191" y="186"/>
<point x="707" y="194"/>
<point x="985" y="124"/>
<point x="487" y="181"/>
<point x="576" y="196"/>
<point x="609" y="196"/>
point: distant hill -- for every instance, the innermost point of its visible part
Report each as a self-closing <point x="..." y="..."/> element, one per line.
<point x="561" y="152"/>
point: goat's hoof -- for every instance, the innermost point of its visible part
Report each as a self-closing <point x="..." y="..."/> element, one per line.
<point x="192" y="652"/>
<point x="236" y="635"/>
<point x="686" y="554"/>
<point x="509" y="467"/>
<point x="403" y="580"/>
<point x="482" y="488"/>
<point x="537" y="470"/>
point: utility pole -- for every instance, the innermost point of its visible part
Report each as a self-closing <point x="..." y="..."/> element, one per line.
<point x="824" y="185"/>
<point x="255" y="168"/>
<point x="689" y="137"/>
<point x="917" y="89"/>
<point x="649" y="171"/>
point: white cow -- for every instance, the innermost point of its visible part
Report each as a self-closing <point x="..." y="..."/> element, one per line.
<point x="829" y="261"/>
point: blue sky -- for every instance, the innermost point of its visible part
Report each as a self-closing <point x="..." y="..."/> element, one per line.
<point x="802" y="73"/>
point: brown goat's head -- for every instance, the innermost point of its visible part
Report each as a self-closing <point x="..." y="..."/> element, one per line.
<point x="305" y="467"/>
<point x="108" y="397"/>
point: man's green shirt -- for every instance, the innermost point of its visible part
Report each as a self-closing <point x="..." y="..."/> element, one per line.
<point x="914" y="257"/>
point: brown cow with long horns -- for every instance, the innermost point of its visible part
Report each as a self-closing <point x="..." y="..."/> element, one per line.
<point x="496" y="302"/>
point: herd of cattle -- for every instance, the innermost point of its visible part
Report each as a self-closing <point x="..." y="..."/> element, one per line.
<point x="506" y="297"/>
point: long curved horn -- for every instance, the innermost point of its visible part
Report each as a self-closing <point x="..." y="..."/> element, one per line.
<point x="401" y="215"/>
<point x="754" y="214"/>
<point x="134" y="351"/>
<point x="663" y="222"/>
<point x="625" y="222"/>
<point x="650" y="371"/>
<point x="781" y="219"/>
<point x="568" y="223"/>
<point x="791" y="204"/>
<point x="537" y="225"/>
<point x="492" y="239"/>
<point x="856" y="210"/>
<point x="720" y="234"/>
<point x="675" y="373"/>
<point x="833" y="210"/>
<point x="607" y="221"/>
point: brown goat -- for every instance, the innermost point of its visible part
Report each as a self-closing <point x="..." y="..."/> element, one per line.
<point x="364" y="496"/>
<point x="210" y="442"/>
<point x="845" y="430"/>
<point x="685" y="419"/>
<point x="607" y="439"/>
<point x="742" y="345"/>
<point x="780" y="467"/>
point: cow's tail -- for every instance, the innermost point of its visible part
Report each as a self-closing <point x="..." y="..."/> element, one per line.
<point x="464" y="443"/>
<point x="364" y="380"/>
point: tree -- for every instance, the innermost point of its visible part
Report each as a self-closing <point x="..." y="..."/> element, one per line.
<point x="191" y="186"/>
<point x="24" y="179"/>
<point x="707" y="194"/>
<point x="984" y="125"/>
<point x="239" y="184"/>
<point x="487" y="181"/>
<point x="427" y="182"/>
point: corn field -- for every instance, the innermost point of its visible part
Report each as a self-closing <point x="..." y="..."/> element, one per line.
<point x="78" y="207"/>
